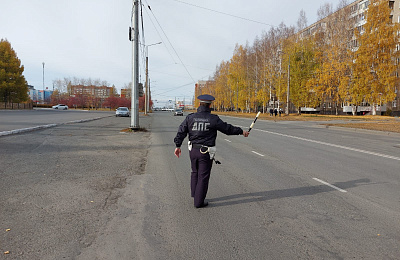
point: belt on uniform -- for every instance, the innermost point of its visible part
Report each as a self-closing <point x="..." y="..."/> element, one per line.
<point x="209" y="149"/>
<point x="199" y="146"/>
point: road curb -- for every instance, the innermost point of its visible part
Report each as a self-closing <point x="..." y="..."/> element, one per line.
<point x="35" y="128"/>
<point x="360" y="130"/>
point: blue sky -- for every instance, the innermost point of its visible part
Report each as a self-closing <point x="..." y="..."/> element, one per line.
<point x="89" y="38"/>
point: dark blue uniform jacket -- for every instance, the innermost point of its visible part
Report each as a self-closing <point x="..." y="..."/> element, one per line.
<point x="202" y="128"/>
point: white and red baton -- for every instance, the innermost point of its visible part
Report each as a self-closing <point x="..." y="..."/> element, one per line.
<point x="255" y="119"/>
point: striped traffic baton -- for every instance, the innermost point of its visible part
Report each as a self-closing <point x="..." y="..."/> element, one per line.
<point x="255" y="119"/>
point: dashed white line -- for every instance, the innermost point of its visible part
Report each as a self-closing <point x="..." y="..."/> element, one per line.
<point x="330" y="185"/>
<point x="332" y="145"/>
<point x="258" y="153"/>
<point x="228" y="141"/>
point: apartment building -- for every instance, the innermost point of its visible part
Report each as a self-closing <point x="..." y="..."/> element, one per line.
<point x="100" y="92"/>
<point x="357" y="12"/>
<point x="39" y="96"/>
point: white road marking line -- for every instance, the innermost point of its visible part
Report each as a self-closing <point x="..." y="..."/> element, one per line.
<point x="334" y="145"/>
<point x="258" y="153"/>
<point x="330" y="185"/>
<point x="228" y="140"/>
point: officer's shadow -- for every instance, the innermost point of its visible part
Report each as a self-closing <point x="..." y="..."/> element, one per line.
<point x="284" y="193"/>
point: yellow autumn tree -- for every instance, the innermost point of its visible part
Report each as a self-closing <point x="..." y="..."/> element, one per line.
<point x="333" y="58"/>
<point x="223" y="93"/>
<point x="237" y="78"/>
<point x="300" y="55"/>
<point x="375" y="63"/>
<point x="271" y="68"/>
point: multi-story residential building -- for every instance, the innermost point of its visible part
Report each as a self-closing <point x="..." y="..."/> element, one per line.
<point x="101" y="92"/>
<point x="357" y="12"/>
<point x="90" y="96"/>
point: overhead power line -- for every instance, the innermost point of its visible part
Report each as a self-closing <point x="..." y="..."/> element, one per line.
<point x="215" y="11"/>
<point x="162" y="39"/>
<point x="174" y="88"/>
<point x="176" y="53"/>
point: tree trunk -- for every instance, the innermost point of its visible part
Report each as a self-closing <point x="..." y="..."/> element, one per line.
<point x="354" y="110"/>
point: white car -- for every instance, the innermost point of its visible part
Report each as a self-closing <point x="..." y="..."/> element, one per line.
<point x="178" y="112"/>
<point x="60" y="106"/>
<point x="122" y="111"/>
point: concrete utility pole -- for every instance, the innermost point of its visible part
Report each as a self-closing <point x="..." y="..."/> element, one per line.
<point x="135" y="67"/>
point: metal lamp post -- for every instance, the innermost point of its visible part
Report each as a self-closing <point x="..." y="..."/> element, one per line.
<point x="147" y="99"/>
<point x="44" y="95"/>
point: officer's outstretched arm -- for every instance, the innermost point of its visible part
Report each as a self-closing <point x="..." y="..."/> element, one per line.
<point x="245" y="133"/>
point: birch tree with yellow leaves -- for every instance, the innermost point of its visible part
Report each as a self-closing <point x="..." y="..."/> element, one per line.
<point x="223" y="93"/>
<point x="333" y="56"/>
<point x="237" y="77"/>
<point x="376" y="59"/>
<point x="270" y="67"/>
<point x="300" y="55"/>
<point x="277" y="72"/>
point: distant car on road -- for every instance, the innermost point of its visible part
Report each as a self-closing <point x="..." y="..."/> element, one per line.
<point x="60" y="106"/>
<point x="178" y="112"/>
<point x="122" y="111"/>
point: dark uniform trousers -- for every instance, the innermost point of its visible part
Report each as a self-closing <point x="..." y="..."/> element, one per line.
<point x="201" y="169"/>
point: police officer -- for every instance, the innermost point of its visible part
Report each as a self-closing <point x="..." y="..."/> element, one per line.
<point x="202" y="128"/>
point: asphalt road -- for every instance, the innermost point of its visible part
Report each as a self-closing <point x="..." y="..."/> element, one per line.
<point x="291" y="190"/>
<point x="270" y="198"/>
